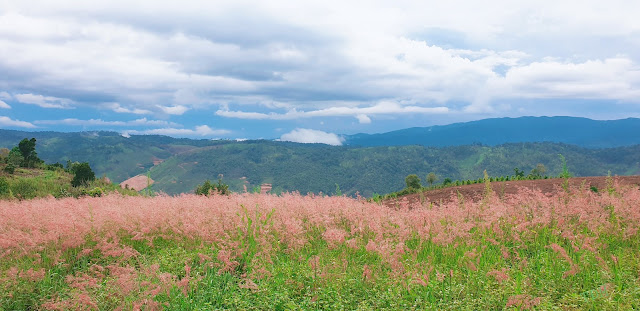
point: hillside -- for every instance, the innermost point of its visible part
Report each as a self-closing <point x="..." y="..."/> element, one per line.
<point x="110" y="154"/>
<point x="570" y="130"/>
<point x="178" y="165"/>
<point x="318" y="168"/>
<point x="548" y="187"/>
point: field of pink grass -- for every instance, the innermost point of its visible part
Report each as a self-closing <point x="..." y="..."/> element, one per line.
<point x="575" y="250"/>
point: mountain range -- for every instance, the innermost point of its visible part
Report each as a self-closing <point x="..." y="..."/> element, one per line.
<point x="366" y="164"/>
<point x="569" y="130"/>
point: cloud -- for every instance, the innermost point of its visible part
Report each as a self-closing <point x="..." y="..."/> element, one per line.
<point x="201" y="130"/>
<point x="119" y="109"/>
<point x="300" y="135"/>
<point x="363" y="119"/>
<point x="166" y="58"/>
<point x="174" y="110"/>
<point x="44" y="101"/>
<point x="6" y="121"/>
<point x="5" y="96"/>
<point x="4" y="105"/>
<point x="100" y="122"/>
<point x="385" y="108"/>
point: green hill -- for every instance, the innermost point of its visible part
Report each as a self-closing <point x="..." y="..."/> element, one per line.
<point x="318" y="168"/>
<point x="109" y="153"/>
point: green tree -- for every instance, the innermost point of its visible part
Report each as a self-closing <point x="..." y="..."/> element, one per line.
<point x="208" y="188"/>
<point x="14" y="159"/>
<point x="27" y="148"/>
<point x="538" y="172"/>
<point x="82" y="174"/>
<point x="431" y="178"/>
<point x="4" y="153"/>
<point x="413" y="181"/>
<point x="519" y="173"/>
<point x="565" y="171"/>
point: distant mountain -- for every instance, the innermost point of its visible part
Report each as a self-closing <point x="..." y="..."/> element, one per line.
<point x="569" y="130"/>
<point x="458" y="151"/>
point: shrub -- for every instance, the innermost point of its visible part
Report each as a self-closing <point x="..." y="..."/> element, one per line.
<point x="208" y="188"/>
<point x="4" y="186"/>
<point x="82" y="174"/>
<point x="10" y="168"/>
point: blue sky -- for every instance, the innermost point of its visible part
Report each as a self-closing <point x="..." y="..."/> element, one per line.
<point x="309" y="71"/>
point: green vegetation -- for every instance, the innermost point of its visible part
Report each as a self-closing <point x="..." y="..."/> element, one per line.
<point x="25" y="176"/>
<point x="317" y="168"/>
<point x="179" y="165"/>
<point x="209" y="189"/>
<point x="82" y="174"/>
<point x="413" y="182"/>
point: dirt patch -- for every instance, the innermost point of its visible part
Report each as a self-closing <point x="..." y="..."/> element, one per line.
<point x="137" y="182"/>
<point x="476" y="191"/>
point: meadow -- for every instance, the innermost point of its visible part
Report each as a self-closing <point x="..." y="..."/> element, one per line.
<point x="576" y="250"/>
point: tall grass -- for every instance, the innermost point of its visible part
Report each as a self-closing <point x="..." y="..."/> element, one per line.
<point x="576" y="250"/>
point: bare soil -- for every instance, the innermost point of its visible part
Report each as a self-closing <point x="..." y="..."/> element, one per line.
<point x="476" y="191"/>
<point x="137" y="182"/>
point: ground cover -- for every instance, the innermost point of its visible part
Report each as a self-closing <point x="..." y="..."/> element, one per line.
<point x="573" y="249"/>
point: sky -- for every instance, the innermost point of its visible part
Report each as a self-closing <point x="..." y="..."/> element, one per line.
<point x="311" y="71"/>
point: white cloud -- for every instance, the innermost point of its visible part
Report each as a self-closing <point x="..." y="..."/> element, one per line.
<point x="363" y="119"/>
<point x="174" y="110"/>
<point x="100" y="122"/>
<point x="6" y="121"/>
<point x="300" y="135"/>
<point x="201" y="130"/>
<point x="119" y="109"/>
<point x="44" y="101"/>
<point x="5" y="96"/>
<point x="4" y="105"/>
<point x="361" y="113"/>
<point x="198" y="54"/>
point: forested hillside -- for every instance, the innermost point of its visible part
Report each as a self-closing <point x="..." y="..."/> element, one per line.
<point x="318" y="168"/>
<point x="179" y="165"/>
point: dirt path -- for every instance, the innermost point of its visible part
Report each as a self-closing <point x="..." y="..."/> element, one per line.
<point x="475" y="191"/>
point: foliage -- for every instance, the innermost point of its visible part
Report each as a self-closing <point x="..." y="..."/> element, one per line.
<point x="310" y="167"/>
<point x="431" y="178"/>
<point x="82" y="174"/>
<point x="207" y="188"/>
<point x="413" y="181"/>
<point x="259" y="252"/>
<point x="27" y="148"/>
<point x="565" y="171"/>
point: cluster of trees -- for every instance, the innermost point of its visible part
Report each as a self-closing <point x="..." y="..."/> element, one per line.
<point x="22" y="155"/>
<point x="25" y="155"/>
<point x="209" y="188"/>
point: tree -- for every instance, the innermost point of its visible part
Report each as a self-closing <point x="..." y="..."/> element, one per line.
<point x="4" y="153"/>
<point x="82" y="174"/>
<point x="14" y="159"/>
<point x="538" y="172"/>
<point x="431" y="178"/>
<point x="519" y="173"/>
<point x="413" y="181"/>
<point x="27" y="148"/>
<point x="208" y="188"/>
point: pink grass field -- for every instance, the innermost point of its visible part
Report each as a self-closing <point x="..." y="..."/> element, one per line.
<point x="30" y="228"/>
